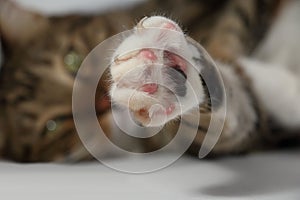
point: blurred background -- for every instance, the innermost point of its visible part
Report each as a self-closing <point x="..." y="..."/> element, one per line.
<point x="59" y="7"/>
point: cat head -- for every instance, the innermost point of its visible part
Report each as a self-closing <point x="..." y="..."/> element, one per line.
<point x="41" y="58"/>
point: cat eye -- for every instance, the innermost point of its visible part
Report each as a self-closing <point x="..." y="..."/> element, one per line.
<point x="54" y="125"/>
<point x="73" y="61"/>
<point x="51" y="125"/>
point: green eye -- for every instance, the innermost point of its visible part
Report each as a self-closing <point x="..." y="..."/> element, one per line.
<point x="51" y="125"/>
<point x="73" y="61"/>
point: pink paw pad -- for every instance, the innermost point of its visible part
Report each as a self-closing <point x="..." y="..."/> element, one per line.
<point x="170" y="109"/>
<point x="180" y="62"/>
<point x="169" y="25"/>
<point x="146" y="53"/>
<point x="150" y="88"/>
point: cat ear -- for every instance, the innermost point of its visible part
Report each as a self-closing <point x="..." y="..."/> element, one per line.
<point x="17" y="25"/>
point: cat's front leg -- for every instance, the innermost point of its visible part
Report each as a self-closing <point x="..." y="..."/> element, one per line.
<point x="158" y="86"/>
<point x="245" y="117"/>
<point x="278" y="89"/>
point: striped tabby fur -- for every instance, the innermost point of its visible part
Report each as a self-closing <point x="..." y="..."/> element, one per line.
<point x="36" y="79"/>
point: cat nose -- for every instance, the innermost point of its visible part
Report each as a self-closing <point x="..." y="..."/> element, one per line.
<point x="146" y="53"/>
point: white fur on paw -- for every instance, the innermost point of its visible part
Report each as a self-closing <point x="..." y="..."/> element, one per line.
<point x="150" y="72"/>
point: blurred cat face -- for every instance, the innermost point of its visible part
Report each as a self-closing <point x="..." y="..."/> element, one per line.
<point x="41" y="58"/>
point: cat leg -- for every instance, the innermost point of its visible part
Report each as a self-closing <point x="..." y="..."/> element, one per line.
<point x="278" y="90"/>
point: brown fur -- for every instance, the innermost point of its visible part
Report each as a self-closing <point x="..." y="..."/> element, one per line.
<point x="36" y="83"/>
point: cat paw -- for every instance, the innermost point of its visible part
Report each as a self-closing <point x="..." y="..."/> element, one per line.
<point x="152" y="82"/>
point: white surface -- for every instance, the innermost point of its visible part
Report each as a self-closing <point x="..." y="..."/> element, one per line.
<point x="272" y="175"/>
<point x="54" y="7"/>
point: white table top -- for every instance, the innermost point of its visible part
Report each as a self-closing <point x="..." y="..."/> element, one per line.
<point x="271" y="175"/>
